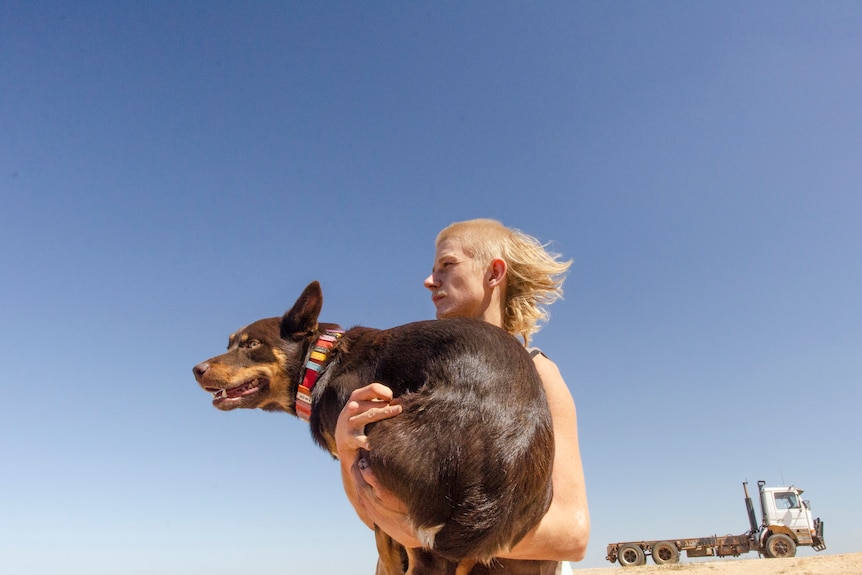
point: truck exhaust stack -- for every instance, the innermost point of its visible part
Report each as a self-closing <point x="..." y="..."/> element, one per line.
<point x="752" y="518"/>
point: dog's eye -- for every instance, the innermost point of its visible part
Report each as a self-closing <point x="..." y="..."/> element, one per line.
<point x="252" y="343"/>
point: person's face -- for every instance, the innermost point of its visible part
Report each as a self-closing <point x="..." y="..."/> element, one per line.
<point x="457" y="283"/>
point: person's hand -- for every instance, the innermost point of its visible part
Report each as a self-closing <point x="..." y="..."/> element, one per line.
<point x="382" y="507"/>
<point x="374" y="504"/>
<point x="366" y="405"/>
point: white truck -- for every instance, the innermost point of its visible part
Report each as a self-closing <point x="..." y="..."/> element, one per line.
<point x="786" y="524"/>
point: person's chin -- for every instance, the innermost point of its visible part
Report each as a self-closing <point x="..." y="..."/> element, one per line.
<point x="441" y="312"/>
<point x="446" y="313"/>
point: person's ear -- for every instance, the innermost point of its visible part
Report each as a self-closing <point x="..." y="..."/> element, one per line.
<point x="497" y="272"/>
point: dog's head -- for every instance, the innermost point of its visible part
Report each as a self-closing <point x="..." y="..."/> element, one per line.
<point x="264" y="359"/>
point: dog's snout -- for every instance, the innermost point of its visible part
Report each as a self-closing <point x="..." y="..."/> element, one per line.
<point x="200" y="369"/>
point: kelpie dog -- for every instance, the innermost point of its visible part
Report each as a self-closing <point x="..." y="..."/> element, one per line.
<point x="470" y="454"/>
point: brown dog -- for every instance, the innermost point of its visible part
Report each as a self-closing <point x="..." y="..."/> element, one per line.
<point x="470" y="454"/>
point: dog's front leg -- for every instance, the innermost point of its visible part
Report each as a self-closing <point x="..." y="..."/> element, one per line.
<point x="392" y="557"/>
<point x="465" y="567"/>
<point x="424" y="562"/>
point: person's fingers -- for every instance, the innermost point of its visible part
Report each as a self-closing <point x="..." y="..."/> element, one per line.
<point x="368" y="412"/>
<point x="372" y="392"/>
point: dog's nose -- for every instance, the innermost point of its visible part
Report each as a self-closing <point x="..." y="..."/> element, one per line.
<point x="200" y="369"/>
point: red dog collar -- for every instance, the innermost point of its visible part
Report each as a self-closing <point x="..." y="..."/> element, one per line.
<point x="316" y="359"/>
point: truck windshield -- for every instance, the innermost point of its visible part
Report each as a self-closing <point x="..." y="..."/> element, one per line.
<point x="786" y="500"/>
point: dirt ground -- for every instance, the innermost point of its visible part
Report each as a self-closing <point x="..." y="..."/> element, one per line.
<point x="847" y="564"/>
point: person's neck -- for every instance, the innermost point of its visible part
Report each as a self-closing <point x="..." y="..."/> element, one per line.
<point x="493" y="312"/>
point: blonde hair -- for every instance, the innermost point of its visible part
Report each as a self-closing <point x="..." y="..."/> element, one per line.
<point x="534" y="277"/>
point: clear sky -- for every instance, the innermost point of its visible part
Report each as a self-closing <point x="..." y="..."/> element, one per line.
<point x="170" y="172"/>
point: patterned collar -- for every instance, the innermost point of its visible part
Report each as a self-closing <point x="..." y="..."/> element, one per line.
<point x="316" y="360"/>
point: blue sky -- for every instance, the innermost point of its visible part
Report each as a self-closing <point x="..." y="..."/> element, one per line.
<point x="172" y="171"/>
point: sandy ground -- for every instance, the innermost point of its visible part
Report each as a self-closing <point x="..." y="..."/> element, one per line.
<point x="847" y="564"/>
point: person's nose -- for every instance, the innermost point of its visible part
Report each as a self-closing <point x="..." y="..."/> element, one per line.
<point x="431" y="282"/>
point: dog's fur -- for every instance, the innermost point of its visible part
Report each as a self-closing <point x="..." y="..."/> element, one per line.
<point x="472" y="451"/>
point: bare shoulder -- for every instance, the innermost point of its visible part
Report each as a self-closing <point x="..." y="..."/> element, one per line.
<point x="545" y="365"/>
<point x="552" y="379"/>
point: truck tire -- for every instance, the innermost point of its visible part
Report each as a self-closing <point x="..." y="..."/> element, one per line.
<point x="665" y="552"/>
<point x="780" y="545"/>
<point x="631" y="555"/>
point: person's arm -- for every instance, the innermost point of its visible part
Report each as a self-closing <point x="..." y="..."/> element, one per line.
<point x="374" y="504"/>
<point x="350" y="437"/>
<point x="564" y="531"/>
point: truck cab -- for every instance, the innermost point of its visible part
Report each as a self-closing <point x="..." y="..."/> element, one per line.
<point x="784" y="512"/>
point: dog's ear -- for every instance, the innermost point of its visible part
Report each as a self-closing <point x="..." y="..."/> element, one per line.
<point x="301" y="320"/>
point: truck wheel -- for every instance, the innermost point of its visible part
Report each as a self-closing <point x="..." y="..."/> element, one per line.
<point x="630" y="555"/>
<point x="665" y="552"/>
<point x="780" y="545"/>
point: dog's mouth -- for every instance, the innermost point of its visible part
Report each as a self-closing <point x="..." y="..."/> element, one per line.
<point x="233" y="396"/>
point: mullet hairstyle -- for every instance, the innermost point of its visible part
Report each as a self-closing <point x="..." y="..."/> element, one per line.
<point x="534" y="277"/>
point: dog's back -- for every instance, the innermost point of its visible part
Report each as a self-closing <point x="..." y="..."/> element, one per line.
<point x="471" y="454"/>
